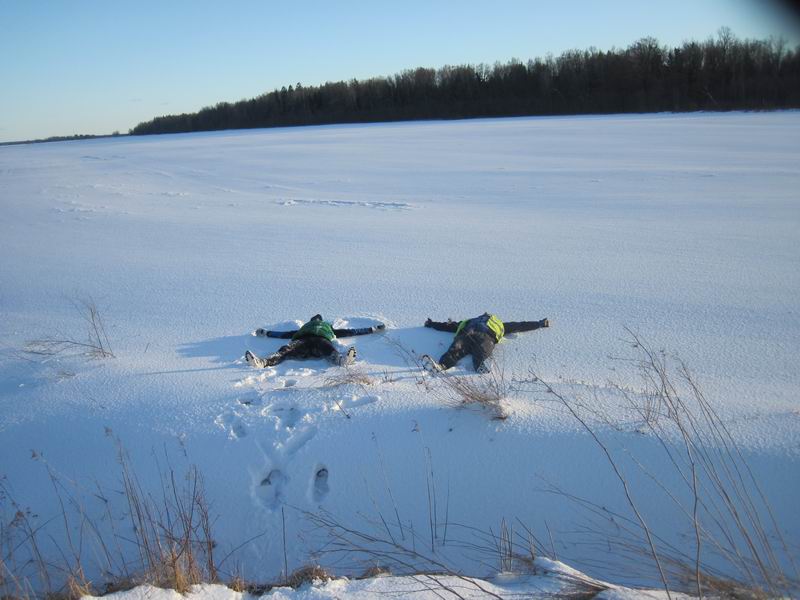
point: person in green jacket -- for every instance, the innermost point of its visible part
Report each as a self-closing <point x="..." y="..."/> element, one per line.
<point x="312" y="340"/>
<point x="477" y="336"/>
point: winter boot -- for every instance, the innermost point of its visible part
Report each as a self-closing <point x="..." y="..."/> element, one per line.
<point x="430" y="365"/>
<point x="348" y="358"/>
<point x="255" y="361"/>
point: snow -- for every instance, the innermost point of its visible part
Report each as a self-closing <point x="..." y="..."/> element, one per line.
<point x="555" y="578"/>
<point x="682" y="228"/>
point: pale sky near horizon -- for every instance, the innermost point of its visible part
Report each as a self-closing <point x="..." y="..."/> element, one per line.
<point x="93" y="67"/>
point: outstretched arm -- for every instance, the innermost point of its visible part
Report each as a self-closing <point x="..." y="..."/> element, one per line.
<point x="358" y="330"/>
<point x="275" y="334"/>
<point x="450" y="325"/>
<point x="519" y="326"/>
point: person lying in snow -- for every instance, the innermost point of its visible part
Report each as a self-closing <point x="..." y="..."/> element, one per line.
<point x="477" y="337"/>
<point x="312" y="340"/>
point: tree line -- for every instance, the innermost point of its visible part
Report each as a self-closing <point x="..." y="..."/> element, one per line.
<point x="721" y="73"/>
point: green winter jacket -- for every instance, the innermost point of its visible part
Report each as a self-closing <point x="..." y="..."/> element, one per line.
<point x="315" y="328"/>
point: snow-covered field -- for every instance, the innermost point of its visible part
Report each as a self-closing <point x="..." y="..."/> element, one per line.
<point x="684" y="229"/>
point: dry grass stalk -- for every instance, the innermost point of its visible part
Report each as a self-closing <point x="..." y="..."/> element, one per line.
<point x="487" y="390"/>
<point x="96" y="345"/>
<point x="48" y="556"/>
<point x="729" y="516"/>
<point x="78" y="586"/>
<point x="505" y="547"/>
<point x="173" y="536"/>
<point x="349" y="375"/>
<point x="730" y="513"/>
<point x="399" y="557"/>
<point x="238" y="584"/>
<point x="307" y="574"/>
<point x="21" y="576"/>
<point x="645" y="529"/>
<point x="431" y="571"/>
<point x="374" y="571"/>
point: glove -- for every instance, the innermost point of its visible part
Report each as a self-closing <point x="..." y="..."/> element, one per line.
<point x="428" y="322"/>
<point x="261" y="332"/>
<point x="545" y="322"/>
<point x="380" y="327"/>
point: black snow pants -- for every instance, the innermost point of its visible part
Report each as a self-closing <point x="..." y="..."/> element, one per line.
<point x="479" y="344"/>
<point x="308" y="347"/>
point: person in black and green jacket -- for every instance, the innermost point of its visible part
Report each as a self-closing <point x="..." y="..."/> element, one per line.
<point x="312" y="340"/>
<point x="478" y="337"/>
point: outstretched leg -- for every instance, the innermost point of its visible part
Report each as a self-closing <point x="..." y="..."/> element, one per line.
<point x="321" y="348"/>
<point x="295" y="349"/>
<point x="457" y="350"/>
<point x="346" y="358"/>
<point x="481" y="347"/>
<point x="308" y="347"/>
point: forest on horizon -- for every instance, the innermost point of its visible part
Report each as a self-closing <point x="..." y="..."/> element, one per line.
<point x="721" y="73"/>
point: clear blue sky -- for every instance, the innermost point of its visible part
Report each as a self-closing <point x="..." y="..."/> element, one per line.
<point x="95" y="66"/>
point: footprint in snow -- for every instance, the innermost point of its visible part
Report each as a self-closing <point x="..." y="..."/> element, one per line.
<point x="319" y="484"/>
<point x="289" y="417"/>
<point x="293" y="428"/>
<point x="269" y="491"/>
<point x="257" y="378"/>
<point x="249" y="400"/>
<point x="298" y="438"/>
<point x="232" y="423"/>
<point x="355" y="400"/>
<point x="286" y="414"/>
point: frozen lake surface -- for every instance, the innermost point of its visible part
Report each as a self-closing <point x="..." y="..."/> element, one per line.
<point x="684" y="229"/>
